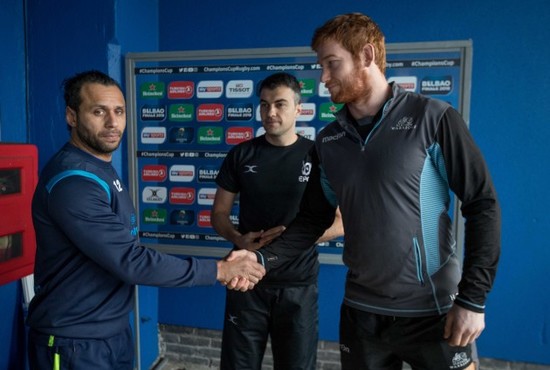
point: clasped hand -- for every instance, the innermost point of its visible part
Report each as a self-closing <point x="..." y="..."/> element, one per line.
<point x="240" y="270"/>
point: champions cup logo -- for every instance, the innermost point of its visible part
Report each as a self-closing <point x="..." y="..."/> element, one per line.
<point x="181" y="90"/>
<point x="306" y="171"/>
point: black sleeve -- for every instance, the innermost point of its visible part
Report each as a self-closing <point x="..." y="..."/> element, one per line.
<point x="316" y="214"/>
<point x="470" y="180"/>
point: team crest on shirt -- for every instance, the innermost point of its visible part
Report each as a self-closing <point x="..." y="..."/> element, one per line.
<point x="460" y="359"/>
<point x="306" y="170"/>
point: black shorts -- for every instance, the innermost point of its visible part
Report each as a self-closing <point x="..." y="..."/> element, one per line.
<point x="370" y="341"/>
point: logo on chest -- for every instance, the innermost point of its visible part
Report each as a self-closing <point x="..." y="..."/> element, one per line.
<point x="306" y="170"/>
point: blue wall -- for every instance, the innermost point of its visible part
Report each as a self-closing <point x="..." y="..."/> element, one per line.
<point x="509" y="120"/>
<point x="509" y="95"/>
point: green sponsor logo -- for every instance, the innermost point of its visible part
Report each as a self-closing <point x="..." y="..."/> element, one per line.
<point x="307" y="86"/>
<point x="155" y="216"/>
<point x="327" y="110"/>
<point x="181" y="112"/>
<point x="154" y="90"/>
<point x="210" y="135"/>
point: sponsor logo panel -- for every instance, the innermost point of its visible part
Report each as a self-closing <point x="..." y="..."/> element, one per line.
<point x="181" y="90"/>
<point x="182" y="173"/>
<point x="181" y="112"/>
<point x="307" y="87"/>
<point x="239" y="89"/>
<point x="208" y="173"/>
<point x="155" y="216"/>
<point x="152" y="90"/>
<point x="154" y="194"/>
<point x="209" y="89"/>
<point x="210" y="112"/>
<point x="441" y="85"/>
<point x="308" y="112"/>
<point x="210" y="135"/>
<point x="239" y="112"/>
<point x="204" y="219"/>
<point x="153" y="113"/>
<point x="327" y="110"/>
<point x="408" y="83"/>
<point x="182" y="135"/>
<point x="206" y="196"/>
<point x="153" y="135"/>
<point x="180" y="195"/>
<point x="154" y="172"/>
<point x="236" y="135"/>
<point x="184" y="217"/>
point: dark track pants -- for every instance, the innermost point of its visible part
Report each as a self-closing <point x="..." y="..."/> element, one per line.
<point x="59" y="353"/>
<point x="289" y="315"/>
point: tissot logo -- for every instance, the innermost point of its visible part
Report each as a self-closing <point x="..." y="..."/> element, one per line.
<point x="239" y="89"/>
<point x="182" y="195"/>
<point x="204" y="218"/>
<point x="236" y="135"/>
<point x="210" y="112"/>
<point x="206" y="196"/>
<point x="209" y="89"/>
<point x="154" y="172"/>
<point x="323" y="91"/>
<point x="153" y="135"/>
<point x="436" y="85"/>
<point x="154" y="194"/>
<point x="181" y="90"/>
<point x="182" y="173"/>
<point x="307" y="132"/>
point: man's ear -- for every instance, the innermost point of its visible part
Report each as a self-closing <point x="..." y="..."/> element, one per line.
<point x="368" y="54"/>
<point x="70" y="116"/>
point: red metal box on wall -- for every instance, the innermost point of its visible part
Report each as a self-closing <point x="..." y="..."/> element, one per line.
<point x="18" y="178"/>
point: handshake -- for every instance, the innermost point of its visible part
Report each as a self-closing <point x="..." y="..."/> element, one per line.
<point x="240" y="270"/>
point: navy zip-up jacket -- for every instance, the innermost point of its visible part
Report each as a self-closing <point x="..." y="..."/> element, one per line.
<point x="393" y="192"/>
<point x="87" y="257"/>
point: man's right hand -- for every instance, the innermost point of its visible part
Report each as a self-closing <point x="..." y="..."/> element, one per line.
<point x="240" y="270"/>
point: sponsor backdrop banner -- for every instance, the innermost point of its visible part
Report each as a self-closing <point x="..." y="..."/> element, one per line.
<point x="187" y="109"/>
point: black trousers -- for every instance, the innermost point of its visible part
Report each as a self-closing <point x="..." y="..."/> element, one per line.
<point x="370" y="341"/>
<point x="288" y="315"/>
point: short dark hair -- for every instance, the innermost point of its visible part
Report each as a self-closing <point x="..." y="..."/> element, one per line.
<point x="73" y="85"/>
<point x="282" y="79"/>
